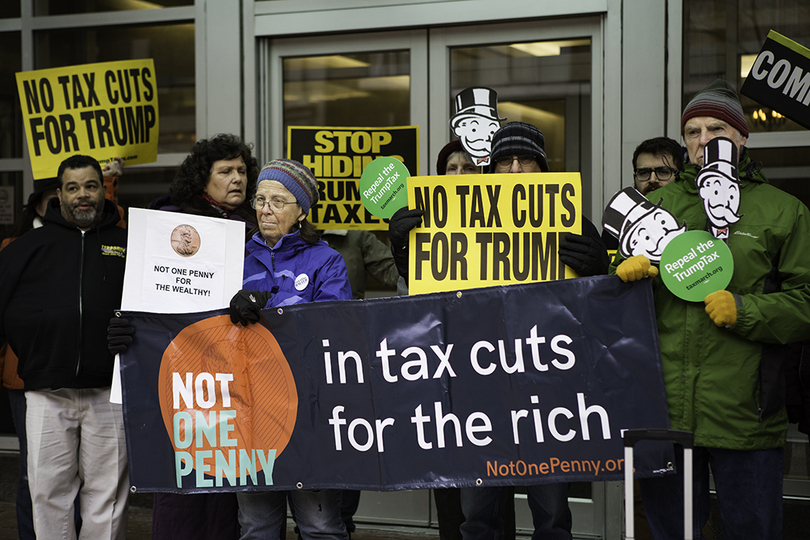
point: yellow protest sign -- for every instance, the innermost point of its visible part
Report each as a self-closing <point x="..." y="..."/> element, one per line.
<point x="101" y="110"/>
<point x="337" y="157"/>
<point x="494" y="229"/>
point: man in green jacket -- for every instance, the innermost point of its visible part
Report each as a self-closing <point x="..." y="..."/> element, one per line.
<point x="723" y="359"/>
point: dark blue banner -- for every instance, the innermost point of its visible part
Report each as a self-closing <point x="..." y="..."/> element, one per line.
<point x="522" y="384"/>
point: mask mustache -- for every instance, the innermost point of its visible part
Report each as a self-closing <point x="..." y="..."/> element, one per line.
<point x="725" y="213"/>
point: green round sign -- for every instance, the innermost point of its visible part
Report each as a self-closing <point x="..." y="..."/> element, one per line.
<point x="695" y="264"/>
<point x="383" y="186"/>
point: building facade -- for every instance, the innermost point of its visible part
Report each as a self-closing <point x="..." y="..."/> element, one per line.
<point x="597" y="76"/>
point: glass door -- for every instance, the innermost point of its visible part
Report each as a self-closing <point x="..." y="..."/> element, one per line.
<point x="343" y="81"/>
<point x="546" y="73"/>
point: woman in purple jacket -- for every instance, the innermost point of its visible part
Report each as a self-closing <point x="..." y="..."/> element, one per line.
<point x="288" y="263"/>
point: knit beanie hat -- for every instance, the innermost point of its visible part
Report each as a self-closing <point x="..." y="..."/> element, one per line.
<point x="718" y="100"/>
<point x="294" y="176"/>
<point x="518" y="139"/>
<point x="444" y="155"/>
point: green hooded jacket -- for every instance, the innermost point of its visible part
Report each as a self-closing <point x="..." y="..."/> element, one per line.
<point x="727" y="385"/>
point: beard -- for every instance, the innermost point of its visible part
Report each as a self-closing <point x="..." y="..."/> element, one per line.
<point x="83" y="218"/>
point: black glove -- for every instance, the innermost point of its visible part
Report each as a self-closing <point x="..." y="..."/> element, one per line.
<point x="399" y="226"/>
<point x="119" y="335"/>
<point x="245" y="306"/>
<point x="585" y="255"/>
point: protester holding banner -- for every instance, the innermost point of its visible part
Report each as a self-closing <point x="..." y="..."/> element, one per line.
<point x="520" y="148"/>
<point x="453" y="159"/>
<point x="216" y="179"/>
<point x="59" y="284"/>
<point x="723" y="359"/>
<point x="288" y="263"/>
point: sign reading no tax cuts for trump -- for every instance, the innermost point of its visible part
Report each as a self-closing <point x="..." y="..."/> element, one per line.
<point x="100" y="110"/>
<point x="514" y="385"/>
<point x="493" y="229"/>
<point x="337" y="157"/>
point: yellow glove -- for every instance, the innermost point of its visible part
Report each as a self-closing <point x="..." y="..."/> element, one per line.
<point x="722" y="308"/>
<point x="635" y="268"/>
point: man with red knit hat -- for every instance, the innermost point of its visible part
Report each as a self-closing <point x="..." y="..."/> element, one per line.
<point x="723" y="359"/>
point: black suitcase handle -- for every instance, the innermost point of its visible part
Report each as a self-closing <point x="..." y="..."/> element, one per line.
<point x="684" y="438"/>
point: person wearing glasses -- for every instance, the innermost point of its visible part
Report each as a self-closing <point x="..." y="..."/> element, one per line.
<point x="520" y="148"/>
<point x="656" y="163"/>
<point x="288" y="263"/>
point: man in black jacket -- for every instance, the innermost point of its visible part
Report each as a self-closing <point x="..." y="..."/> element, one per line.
<point x="517" y="148"/>
<point x="59" y="285"/>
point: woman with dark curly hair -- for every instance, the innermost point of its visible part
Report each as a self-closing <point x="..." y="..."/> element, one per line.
<point x="217" y="179"/>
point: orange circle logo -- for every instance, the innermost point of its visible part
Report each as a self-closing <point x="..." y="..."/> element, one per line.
<point x="226" y="393"/>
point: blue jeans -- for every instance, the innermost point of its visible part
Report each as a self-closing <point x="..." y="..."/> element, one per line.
<point x="262" y="515"/>
<point x="483" y="509"/>
<point x="749" y="493"/>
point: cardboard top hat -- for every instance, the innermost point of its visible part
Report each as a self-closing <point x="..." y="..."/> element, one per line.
<point x="625" y="208"/>
<point x="479" y="102"/>
<point x="719" y="156"/>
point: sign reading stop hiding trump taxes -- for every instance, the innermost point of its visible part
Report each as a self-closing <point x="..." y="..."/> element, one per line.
<point x="337" y="156"/>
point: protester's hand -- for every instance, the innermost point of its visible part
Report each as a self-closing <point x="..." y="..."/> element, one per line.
<point x="245" y="306"/>
<point x="722" y="308"/>
<point x="119" y="335"/>
<point x="635" y="268"/>
<point x="399" y="226"/>
<point x="115" y="167"/>
<point x="585" y="255"/>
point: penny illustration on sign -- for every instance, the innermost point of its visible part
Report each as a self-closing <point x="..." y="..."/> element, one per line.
<point x="185" y="240"/>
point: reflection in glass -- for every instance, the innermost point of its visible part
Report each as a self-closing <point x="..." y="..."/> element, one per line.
<point x="139" y="186"/>
<point x="14" y="180"/>
<point x="722" y="40"/>
<point x="172" y="48"/>
<point x="11" y="138"/>
<point x="533" y="81"/>
<point x="9" y="9"/>
<point x="366" y="89"/>
<point x="546" y="84"/>
<point x="64" y="7"/>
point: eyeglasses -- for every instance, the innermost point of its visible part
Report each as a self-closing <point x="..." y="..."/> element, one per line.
<point x="505" y="163"/>
<point x="662" y="173"/>
<point x="275" y="204"/>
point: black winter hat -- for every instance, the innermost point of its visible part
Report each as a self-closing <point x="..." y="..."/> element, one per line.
<point x="518" y="139"/>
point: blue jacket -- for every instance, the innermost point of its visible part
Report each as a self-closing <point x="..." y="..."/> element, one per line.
<point x="296" y="271"/>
